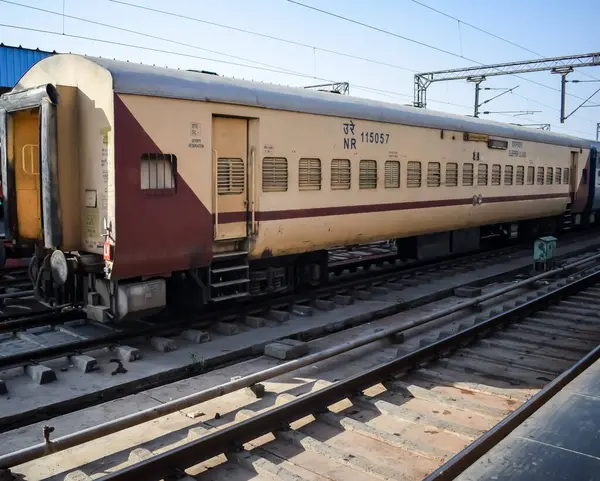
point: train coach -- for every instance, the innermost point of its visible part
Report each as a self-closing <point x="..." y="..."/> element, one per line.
<point x="135" y="186"/>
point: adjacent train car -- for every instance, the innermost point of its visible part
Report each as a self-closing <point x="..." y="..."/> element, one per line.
<point x="137" y="186"/>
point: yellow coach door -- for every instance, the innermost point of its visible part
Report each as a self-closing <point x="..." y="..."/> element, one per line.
<point x="230" y="161"/>
<point x="26" y="164"/>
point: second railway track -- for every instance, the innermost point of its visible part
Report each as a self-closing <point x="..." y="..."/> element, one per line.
<point x="75" y="379"/>
<point x="397" y="420"/>
<point x="401" y="419"/>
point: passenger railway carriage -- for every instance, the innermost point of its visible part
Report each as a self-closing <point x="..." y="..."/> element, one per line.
<point x="134" y="184"/>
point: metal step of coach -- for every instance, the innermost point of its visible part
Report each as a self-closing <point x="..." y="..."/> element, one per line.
<point x="229" y="276"/>
<point x="567" y="220"/>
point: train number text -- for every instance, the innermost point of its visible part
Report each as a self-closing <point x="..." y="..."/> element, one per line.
<point x="374" y="138"/>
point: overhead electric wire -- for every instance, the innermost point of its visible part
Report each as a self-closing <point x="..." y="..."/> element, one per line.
<point x="301" y="44"/>
<point x="381" y="30"/>
<point x="158" y="50"/>
<point x="263" y="35"/>
<point x="487" y="32"/>
<point x="474" y="27"/>
<point x="171" y="52"/>
<point x="391" y="94"/>
<point x="408" y="39"/>
<point x="270" y="68"/>
<point x="136" y="32"/>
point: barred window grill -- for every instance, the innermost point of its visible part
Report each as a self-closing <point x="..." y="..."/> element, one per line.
<point x="520" y="175"/>
<point x="558" y="175"/>
<point x="496" y="174"/>
<point x="434" y="174"/>
<point x="340" y="174"/>
<point x="274" y="174"/>
<point x="566" y="175"/>
<point x="230" y="176"/>
<point x="482" y="174"/>
<point x="508" y="175"/>
<point x="467" y="174"/>
<point x="392" y="174"/>
<point x="530" y="175"/>
<point x="309" y="174"/>
<point x="451" y="174"/>
<point x="367" y="174"/>
<point x="158" y="171"/>
<point x="540" y="176"/>
<point x="413" y="174"/>
<point x="549" y="175"/>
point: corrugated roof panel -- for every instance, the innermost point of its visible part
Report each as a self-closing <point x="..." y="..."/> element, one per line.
<point x="132" y="78"/>
<point x="15" y="61"/>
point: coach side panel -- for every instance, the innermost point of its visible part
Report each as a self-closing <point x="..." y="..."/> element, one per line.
<point x="307" y="188"/>
<point x="433" y="192"/>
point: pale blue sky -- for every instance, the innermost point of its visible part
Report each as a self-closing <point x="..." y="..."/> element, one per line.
<point x="546" y="27"/>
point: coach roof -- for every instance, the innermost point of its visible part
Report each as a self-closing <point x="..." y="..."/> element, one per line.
<point x="138" y="79"/>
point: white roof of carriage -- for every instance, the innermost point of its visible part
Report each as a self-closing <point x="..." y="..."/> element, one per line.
<point x="132" y="78"/>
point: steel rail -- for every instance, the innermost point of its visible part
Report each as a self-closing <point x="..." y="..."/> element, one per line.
<point x="261" y="305"/>
<point x="44" y="310"/>
<point x="469" y="456"/>
<point x="232" y="437"/>
<point x="113" y="426"/>
<point x="16" y="295"/>
<point x="43" y="318"/>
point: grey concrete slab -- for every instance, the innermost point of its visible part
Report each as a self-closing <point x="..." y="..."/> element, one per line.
<point x="561" y="441"/>
<point x="525" y="460"/>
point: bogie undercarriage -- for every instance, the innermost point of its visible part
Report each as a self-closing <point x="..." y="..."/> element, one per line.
<point x="79" y="279"/>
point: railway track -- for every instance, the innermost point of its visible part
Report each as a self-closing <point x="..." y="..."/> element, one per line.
<point x="83" y="335"/>
<point x="404" y="418"/>
<point x="16" y="294"/>
<point x="201" y="345"/>
<point x="17" y="301"/>
<point x="397" y="420"/>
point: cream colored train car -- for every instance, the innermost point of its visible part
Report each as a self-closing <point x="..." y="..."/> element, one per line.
<point x="133" y="181"/>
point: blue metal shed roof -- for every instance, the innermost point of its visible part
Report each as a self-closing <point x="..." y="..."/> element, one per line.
<point x="15" y="61"/>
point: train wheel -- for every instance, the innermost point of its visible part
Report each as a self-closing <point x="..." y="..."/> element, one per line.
<point x="33" y="269"/>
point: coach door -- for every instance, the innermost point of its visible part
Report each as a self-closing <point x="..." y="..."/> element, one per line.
<point x="26" y="164"/>
<point x="573" y="174"/>
<point x="230" y="160"/>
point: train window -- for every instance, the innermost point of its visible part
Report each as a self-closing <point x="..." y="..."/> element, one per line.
<point x="558" y="175"/>
<point x="540" y="176"/>
<point x="158" y="171"/>
<point x="367" y="174"/>
<point x="584" y="179"/>
<point x="230" y="176"/>
<point x="451" y="174"/>
<point x="482" y="174"/>
<point x="413" y="174"/>
<point x="496" y="174"/>
<point x="274" y="174"/>
<point x="549" y="175"/>
<point x="340" y="174"/>
<point x="566" y="175"/>
<point x="530" y="175"/>
<point x="467" y="177"/>
<point x="508" y="175"/>
<point x="309" y="174"/>
<point x="434" y="174"/>
<point x="392" y="174"/>
<point x="520" y="175"/>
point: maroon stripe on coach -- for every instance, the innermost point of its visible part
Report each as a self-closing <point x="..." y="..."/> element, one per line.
<point x="230" y="217"/>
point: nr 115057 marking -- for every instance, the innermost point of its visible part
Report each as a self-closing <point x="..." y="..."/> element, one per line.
<point x="374" y="138"/>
